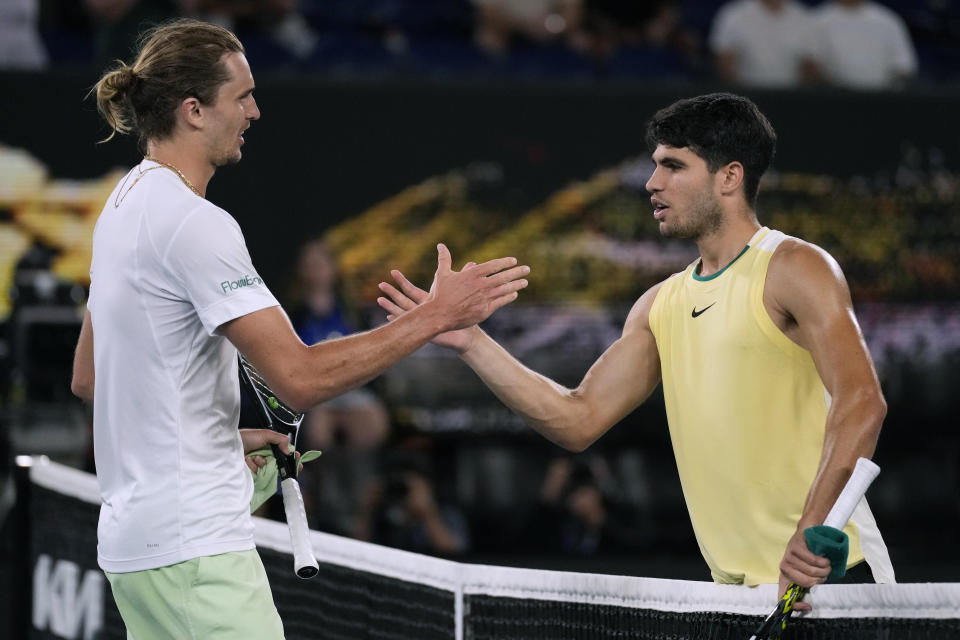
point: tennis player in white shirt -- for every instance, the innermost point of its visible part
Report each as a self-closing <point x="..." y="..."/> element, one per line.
<point x="173" y="296"/>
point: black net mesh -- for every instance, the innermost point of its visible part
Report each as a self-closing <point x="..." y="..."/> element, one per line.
<point x="340" y="603"/>
<point x="526" y="619"/>
<point x="345" y="604"/>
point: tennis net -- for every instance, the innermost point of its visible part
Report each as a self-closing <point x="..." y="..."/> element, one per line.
<point x="369" y="591"/>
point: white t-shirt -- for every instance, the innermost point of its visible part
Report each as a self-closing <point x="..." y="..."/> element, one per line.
<point x="168" y="268"/>
<point x="865" y="47"/>
<point x="21" y="47"/>
<point x="769" y="46"/>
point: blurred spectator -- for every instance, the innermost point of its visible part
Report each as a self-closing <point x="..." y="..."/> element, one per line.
<point x="117" y="24"/>
<point x="280" y="20"/>
<point x="352" y="426"/>
<point x="357" y="418"/>
<point x="401" y="509"/>
<point x="502" y="23"/>
<point x="663" y="26"/>
<point x="609" y="25"/>
<point x="20" y="45"/>
<point x="764" y="43"/>
<point x="579" y="512"/>
<point x="863" y="45"/>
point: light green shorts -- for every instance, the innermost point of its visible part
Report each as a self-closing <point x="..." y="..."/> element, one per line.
<point x="224" y="596"/>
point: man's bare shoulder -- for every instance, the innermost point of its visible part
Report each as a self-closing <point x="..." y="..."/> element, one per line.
<point x="796" y="252"/>
<point x="802" y="272"/>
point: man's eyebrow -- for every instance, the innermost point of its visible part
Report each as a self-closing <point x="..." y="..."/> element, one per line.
<point x="670" y="161"/>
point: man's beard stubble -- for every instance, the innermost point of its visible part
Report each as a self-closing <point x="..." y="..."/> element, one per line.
<point x="706" y="219"/>
<point x="226" y="160"/>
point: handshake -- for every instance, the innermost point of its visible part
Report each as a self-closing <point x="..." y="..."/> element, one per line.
<point x="459" y="299"/>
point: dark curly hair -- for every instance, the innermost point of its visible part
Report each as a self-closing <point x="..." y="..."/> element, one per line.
<point x="720" y="128"/>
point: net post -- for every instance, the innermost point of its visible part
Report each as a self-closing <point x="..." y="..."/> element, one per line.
<point x="458" y="611"/>
<point x="21" y="598"/>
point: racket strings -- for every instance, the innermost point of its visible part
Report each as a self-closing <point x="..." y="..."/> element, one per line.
<point x="275" y="406"/>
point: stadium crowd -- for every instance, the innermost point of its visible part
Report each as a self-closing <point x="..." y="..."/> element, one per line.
<point x="861" y="44"/>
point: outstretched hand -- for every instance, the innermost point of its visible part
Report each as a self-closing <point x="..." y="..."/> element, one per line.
<point x="463" y="297"/>
<point x="397" y="303"/>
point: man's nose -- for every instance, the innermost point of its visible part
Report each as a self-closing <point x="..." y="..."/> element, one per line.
<point x="653" y="183"/>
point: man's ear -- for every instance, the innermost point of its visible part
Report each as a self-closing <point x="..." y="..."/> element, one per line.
<point x="730" y="178"/>
<point x="191" y="112"/>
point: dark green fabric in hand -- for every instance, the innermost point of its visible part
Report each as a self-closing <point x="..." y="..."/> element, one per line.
<point x="831" y="543"/>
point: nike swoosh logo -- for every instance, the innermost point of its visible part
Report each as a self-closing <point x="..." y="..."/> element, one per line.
<point x="695" y="313"/>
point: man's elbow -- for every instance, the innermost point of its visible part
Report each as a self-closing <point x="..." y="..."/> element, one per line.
<point x="82" y="387"/>
<point x="575" y="440"/>
<point x="300" y="403"/>
<point x="572" y="426"/>
<point x="576" y="445"/>
<point x="878" y="409"/>
<point x="872" y="412"/>
<point x="299" y="392"/>
<point x="294" y="396"/>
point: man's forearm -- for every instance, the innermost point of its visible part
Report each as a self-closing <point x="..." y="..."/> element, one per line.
<point x="333" y="367"/>
<point x="303" y="376"/>
<point x="853" y="426"/>
<point x="548" y="407"/>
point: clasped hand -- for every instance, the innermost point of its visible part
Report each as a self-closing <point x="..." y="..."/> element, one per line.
<point x="471" y="294"/>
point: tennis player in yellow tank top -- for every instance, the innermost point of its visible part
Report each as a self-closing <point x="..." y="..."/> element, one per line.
<point x="770" y="391"/>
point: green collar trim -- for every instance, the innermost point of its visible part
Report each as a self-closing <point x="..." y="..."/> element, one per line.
<point x="714" y="275"/>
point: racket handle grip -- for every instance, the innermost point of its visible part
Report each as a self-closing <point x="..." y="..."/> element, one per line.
<point x="304" y="563"/>
<point x="863" y="474"/>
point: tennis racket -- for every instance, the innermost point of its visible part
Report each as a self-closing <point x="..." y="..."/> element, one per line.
<point x="863" y="474"/>
<point x="279" y="417"/>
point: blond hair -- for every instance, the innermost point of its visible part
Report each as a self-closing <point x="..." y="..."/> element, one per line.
<point x="175" y="61"/>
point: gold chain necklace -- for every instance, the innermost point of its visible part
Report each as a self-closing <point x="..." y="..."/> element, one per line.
<point x="121" y="192"/>
<point x="176" y="171"/>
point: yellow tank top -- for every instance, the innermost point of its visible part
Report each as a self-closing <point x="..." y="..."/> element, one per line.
<point x="746" y="410"/>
